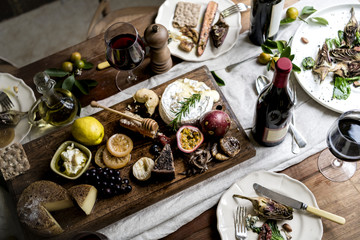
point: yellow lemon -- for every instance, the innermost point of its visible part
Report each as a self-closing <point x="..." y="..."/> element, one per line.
<point x="88" y="131"/>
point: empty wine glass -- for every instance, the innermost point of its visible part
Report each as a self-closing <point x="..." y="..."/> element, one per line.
<point x="338" y="162"/>
<point x="124" y="50"/>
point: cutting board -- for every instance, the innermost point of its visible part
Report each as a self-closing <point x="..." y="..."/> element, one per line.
<point x="143" y="194"/>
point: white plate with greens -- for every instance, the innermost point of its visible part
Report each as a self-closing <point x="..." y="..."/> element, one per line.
<point x="304" y="225"/>
<point x="337" y="16"/>
<point x="165" y="17"/>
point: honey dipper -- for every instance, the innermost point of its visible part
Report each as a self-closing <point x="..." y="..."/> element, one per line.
<point x="146" y="123"/>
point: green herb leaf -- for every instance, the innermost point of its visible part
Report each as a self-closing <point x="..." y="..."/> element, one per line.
<point x="291" y="57"/>
<point x="185" y="107"/>
<point x="319" y="20"/>
<point x="68" y="82"/>
<point x="270" y="44"/>
<point x="280" y="46"/>
<point x="286" y="52"/>
<point x="266" y="49"/>
<point x="295" y="68"/>
<point x="218" y="80"/>
<point x="342" y="88"/>
<point x="301" y="19"/>
<point x="286" y="21"/>
<point x="268" y="66"/>
<point x="87" y="65"/>
<point x="53" y="72"/>
<point x="83" y="87"/>
<point x="307" y="10"/>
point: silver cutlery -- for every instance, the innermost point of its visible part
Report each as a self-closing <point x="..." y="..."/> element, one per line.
<point x="240" y="7"/>
<point x="294" y="145"/>
<point x="240" y="223"/>
<point x="261" y="82"/>
<point x="5" y="101"/>
<point x="297" y="204"/>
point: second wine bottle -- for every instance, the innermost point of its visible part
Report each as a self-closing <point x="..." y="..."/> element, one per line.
<point x="274" y="107"/>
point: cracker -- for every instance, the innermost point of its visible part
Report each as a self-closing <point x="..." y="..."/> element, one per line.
<point x="13" y="161"/>
<point x="186" y="14"/>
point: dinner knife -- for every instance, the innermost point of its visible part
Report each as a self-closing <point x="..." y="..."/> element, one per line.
<point x="297" y="204"/>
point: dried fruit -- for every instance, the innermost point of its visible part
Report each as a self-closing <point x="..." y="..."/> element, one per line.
<point x="119" y="145"/>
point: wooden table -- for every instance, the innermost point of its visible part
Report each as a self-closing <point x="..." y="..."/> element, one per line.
<point x="340" y="198"/>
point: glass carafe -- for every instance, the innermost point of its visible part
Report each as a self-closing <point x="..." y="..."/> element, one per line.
<point x="56" y="106"/>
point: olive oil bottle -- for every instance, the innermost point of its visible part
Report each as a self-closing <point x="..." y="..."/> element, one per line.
<point x="56" y="107"/>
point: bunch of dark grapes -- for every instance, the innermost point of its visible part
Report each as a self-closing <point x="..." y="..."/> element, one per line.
<point x="107" y="181"/>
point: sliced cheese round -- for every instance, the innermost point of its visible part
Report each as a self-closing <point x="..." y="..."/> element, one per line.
<point x="177" y="92"/>
<point x="36" y="202"/>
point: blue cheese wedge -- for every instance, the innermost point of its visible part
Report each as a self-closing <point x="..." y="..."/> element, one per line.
<point x="176" y="92"/>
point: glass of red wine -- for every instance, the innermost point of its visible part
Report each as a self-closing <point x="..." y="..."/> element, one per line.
<point x="124" y="51"/>
<point x="338" y="162"/>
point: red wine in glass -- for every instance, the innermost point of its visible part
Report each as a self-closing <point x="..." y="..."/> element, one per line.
<point x="338" y="163"/>
<point x="124" y="50"/>
<point x="344" y="144"/>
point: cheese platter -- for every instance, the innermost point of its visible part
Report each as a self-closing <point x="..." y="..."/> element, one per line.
<point x="141" y="194"/>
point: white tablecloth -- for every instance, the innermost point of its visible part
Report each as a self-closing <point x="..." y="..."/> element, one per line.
<point x="312" y="119"/>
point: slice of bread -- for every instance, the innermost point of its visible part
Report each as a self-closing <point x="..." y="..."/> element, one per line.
<point x="36" y="201"/>
<point x="85" y="196"/>
<point x="164" y="165"/>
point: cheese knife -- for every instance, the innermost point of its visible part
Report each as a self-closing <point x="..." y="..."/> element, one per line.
<point x="297" y="204"/>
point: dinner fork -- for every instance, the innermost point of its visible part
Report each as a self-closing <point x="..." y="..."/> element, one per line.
<point x="5" y="101"/>
<point x="240" y="7"/>
<point x="240" y="223"/>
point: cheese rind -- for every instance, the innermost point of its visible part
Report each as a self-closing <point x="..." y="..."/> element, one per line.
<point x="178" y="91"/>
<point x="85" y="196"/>
<point x="32" y="211"/>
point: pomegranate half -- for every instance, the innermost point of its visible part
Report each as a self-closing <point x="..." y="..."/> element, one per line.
<point x="189" y="138"/>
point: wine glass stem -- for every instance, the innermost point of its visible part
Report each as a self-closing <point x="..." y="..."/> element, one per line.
<point x="336" y="163"/>
<point x="131" y="76"/>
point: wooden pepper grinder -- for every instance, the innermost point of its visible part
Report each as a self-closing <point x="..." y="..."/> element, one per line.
<point x="156" y="36"/>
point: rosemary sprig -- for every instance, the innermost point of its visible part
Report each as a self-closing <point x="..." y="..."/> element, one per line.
<point x="184" y="109"/>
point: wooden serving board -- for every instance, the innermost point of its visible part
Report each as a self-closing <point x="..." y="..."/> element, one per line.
<point x="143" y="194"/>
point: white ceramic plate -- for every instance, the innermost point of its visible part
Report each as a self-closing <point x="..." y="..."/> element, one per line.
<point x="166" y="14"/>
<point x="23" y="100"/>
<point x="304" y="225"/>
<point x="337" y="16"/>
